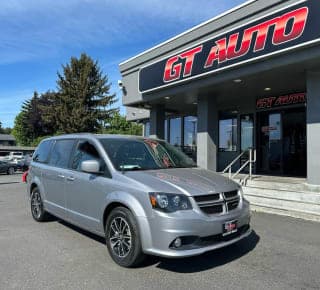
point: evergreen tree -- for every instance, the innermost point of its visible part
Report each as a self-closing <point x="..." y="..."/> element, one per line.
<point x="83" y="100"/>
<point x="30" y="123"/>
<point x="19" y="131"/>
<point x="6" y="130"/>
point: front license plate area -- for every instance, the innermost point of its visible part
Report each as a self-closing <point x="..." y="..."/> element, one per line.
<point x="229" y="228"/>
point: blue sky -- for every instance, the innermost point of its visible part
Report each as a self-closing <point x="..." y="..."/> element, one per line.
<point x="38" y="36"/>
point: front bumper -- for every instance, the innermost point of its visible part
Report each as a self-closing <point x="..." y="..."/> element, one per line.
<point x="201" y="232"/>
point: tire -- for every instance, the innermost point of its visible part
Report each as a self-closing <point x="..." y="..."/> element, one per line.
<point x="36" y="204"/>
<point x="10" y="171"/>
<point x="123" y="239"/>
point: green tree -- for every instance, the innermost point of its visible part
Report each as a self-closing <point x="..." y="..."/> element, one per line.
<point x="83" y="100"/>
<point x="119" y="125"/>
<point x="19" y="130"/>
<point x="5" y="130"/>
<point x="30" y="123"/>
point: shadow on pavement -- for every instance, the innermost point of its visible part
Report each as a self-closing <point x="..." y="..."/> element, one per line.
<point x="194" y="264"/>
<point x="83" y="232"/>
<point x="13" y="182"/>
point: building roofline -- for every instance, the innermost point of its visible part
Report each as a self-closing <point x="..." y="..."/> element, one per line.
<point x="7" y="137"/>
<point x="238" y="7"/>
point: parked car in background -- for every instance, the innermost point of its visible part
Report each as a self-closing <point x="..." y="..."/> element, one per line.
<point x="7" y="167"/>
<point x="143" y="195"/>
<point x="23" y="163"/>
<point x="4" y="155"/>
<point x="15" y="156"/>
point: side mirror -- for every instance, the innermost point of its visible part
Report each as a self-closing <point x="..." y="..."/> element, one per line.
<point x="90" y="166"/>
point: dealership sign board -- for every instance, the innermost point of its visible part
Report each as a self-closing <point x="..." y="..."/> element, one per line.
<point x="283" y="30"/>
<point x="285" y="100"/>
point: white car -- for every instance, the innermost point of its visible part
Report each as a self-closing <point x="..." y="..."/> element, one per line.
<point x="15" y="156"/>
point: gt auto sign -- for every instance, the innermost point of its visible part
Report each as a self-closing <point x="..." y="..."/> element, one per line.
<point x="286" y="29"/>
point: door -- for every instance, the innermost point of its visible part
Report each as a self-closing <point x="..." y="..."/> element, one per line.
<point x="86" y="192"/>
<point x="282" y="139"/>
<point x="247" y="126"/>
<point x="246" y="135"/>
<point x="54" y="177"/>
<point x="294" y="142"/>
<point x="270" y="149"/>
<point x="3" y="167"/>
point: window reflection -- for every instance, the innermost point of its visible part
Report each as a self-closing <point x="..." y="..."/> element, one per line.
<point x="190" y="136"/>
<point x="175" y="131"/>
<point x="147" y="129"/>
<point x="166" y="137"/>
<point x="228" y="134"/>
<point x="246" y="132"/>
<point x="190" y="131"/>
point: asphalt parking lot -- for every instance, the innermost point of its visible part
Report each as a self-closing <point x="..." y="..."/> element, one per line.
<point x="282" y="253"/>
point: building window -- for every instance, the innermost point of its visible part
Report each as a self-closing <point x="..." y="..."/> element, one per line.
<point x="246" y="132"/>
<point x="147" y="129"/>
<point x="190" y="136"/>
<point x="166" y="137"/>
<point x="228" y="134"/>
<point x="190" y="131"/>
<point x="175" y="132"/>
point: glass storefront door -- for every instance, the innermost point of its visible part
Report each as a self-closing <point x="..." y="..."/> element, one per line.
<point x="270" y="151"/>
<point x="294" y="143"/>
<point x="282" y="142"/>
<point x="246" y="136"/>
<point x="246" y="132"/>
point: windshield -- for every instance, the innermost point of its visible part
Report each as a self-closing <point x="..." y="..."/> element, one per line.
<point x="145" y="154"/>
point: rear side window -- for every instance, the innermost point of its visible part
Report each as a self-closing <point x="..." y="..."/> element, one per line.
<point x="42" y="152"/>
<point x="61" y="153"/>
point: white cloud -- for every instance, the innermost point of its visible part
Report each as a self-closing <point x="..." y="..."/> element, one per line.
<point x="52" y="30"/>
<point x="33" y="29"/>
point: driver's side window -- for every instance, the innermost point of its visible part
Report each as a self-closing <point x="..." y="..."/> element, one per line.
<point x="86" y="151"/>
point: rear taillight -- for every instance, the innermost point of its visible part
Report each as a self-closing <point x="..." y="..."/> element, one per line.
<point x="24" y="176"/>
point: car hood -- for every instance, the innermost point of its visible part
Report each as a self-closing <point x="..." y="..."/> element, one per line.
<point x="190" y="181"/>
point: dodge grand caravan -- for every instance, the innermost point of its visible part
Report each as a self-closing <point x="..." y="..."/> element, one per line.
<point x="143" y="195"/>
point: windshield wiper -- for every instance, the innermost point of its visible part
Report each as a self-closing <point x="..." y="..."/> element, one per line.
<point x="130" y="168"/>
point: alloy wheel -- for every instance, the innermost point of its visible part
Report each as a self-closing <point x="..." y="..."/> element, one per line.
<point x="120" y="237"/>
<point x="36" y="204"/>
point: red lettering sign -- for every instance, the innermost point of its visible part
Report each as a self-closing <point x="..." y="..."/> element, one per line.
<point x="173" y="69"/>
<point x="271" y="102"/>
<point x="236" y="46"/>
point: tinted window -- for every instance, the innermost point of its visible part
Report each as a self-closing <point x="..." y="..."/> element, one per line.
<point x="42" y="152"/>
<point x="86" y="151"/>
<point x="61" y="152"/>
<point x="144" y="154"/>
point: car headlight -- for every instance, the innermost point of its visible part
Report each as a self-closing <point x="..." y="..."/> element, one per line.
<point x="169" y="202"/>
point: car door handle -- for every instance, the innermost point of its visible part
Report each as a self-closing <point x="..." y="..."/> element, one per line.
<point x="70" y="178"/>
<point x="61" y="176"/>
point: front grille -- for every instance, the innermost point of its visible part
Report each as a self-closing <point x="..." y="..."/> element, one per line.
<point x="207" y="198"/>
<point x="218" y="203"/>
<point x="212" y="209"/>
<point x="210" y="204"/>
<point x="231" y="205"/>
<point x="230" y="194"/>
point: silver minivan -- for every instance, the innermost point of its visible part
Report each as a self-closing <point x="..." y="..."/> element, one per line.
<point x="143" y="195"/>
